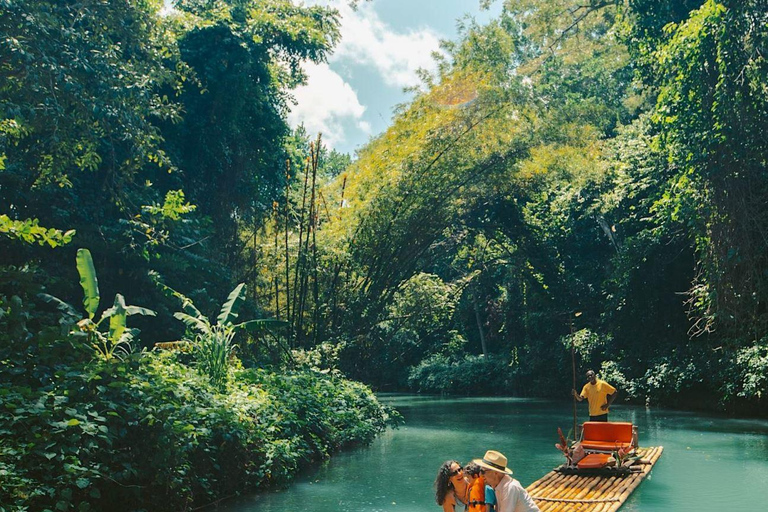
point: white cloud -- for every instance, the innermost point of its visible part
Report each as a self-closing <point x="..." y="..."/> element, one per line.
<point x="328" y="104"/>
<point x="367" y="40"/>
<point x="325" y="103"/>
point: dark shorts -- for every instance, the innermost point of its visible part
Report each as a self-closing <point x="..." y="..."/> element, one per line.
<point x="602" y="417"/>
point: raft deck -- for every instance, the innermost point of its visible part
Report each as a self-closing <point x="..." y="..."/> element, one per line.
<point x="555" y="492"/>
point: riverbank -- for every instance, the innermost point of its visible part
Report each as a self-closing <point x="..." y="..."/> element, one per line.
<point x="695" y="381"/>
<point x="151" y="433"/>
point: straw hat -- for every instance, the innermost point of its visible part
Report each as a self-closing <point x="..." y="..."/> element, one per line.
<point x="494" y="461"/>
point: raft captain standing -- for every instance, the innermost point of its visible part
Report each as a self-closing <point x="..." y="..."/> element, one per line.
<point x="600" y="396"/>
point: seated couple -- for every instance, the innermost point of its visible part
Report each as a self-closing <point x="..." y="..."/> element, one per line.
<point x="483" y="485"/>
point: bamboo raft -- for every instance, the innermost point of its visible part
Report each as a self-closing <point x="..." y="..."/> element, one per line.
<point x="555" y="492"/>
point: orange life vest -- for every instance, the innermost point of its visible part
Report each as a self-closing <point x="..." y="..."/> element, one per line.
<point x="477" y="495"/>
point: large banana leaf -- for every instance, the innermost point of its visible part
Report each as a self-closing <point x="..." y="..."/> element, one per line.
<point x="186" y="302"/>
<point x="138" y="310"/>
<point x="230" y="308"/>
<point x="88" y="281"/>
<point x="129" y="310"/>
<point x="69" y="313"/>
<point x="194" y="323"/>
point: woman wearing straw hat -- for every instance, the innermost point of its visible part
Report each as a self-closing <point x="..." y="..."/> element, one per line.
<point x="510" y="495"/>
<point x="451" y="486"/>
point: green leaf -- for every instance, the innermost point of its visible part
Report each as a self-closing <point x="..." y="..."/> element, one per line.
<point x="193" y="323"/>
<point x="59" y="304"/>
<point x="234" y="301"/>
<point x="138" y="310"/>
<point x="29" y="230"/>
<point x="88" y="281"/>
<point x="117" y="316"/>
<point x="73" y="422"/>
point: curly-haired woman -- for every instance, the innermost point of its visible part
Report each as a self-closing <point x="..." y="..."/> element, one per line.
<point x="451" y="486"/>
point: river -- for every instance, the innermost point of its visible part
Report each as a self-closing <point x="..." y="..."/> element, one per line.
<point x="709" y="463"/>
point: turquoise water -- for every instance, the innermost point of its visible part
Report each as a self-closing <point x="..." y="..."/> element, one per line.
<point x="709" y="463"/>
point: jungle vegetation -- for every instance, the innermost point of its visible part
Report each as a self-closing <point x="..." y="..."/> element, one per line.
<point x="588" y="174"/>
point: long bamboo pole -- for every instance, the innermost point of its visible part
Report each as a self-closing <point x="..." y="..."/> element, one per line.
<point x="573" y="368"/>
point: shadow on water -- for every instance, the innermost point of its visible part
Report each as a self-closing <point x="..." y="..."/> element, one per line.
<point x="709" y="463"/>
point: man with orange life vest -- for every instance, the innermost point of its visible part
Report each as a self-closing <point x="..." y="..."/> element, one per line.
<point x="481" y="496"/>
<point x="599" y="394"/>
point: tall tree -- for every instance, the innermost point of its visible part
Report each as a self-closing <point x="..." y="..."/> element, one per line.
<point x="79" y="100"/>
<point x="707" y="60"/>
<point x="246" y="56"/>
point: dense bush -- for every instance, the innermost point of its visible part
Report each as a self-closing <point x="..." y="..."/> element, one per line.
<point x="470" y="375"/>
<point x="148" y="432"/>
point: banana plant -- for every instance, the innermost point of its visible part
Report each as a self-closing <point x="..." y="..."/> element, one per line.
<point x="227" y="316"/>
<point x="213" y="343"/>
<point x="117" y="338"/>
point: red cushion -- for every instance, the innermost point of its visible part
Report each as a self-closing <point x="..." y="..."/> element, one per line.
<point x="605" y="445"/>
<point x="607" y="435"/>
<point x="607" y="431"/>
<point x="594" y="460"/>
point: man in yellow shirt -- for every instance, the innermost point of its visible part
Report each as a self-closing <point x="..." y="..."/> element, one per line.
<point x="600" y="396"/>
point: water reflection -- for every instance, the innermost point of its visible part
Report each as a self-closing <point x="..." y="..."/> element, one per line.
<point x="709" y="463"/>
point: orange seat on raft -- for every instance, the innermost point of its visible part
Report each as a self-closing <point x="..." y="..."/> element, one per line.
<point x="606" y="436"/>
<point x="594" y="461"/>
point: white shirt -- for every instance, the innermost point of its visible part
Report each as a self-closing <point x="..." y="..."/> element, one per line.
<point x="512" y="497"/>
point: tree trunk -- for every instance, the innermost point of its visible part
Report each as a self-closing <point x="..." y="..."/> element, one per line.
<point x="480" y="330"/>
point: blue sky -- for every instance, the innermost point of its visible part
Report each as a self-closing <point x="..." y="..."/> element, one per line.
<point x="384" y="42"/>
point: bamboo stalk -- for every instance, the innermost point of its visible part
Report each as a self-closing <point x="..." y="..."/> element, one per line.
<point x="304" y="282"/>
<point x="579" y="501"/>
<point x="341" y="201"/>
<point x="587" y="489"/>
<point x="298" y="247"/>
<point x="542" y="482"/>
<point x="547" y="489"/>
<point x="315" y="289"/>
<point x="565" y="490"/>
<point x="277" y="280"/>
<point x="599" y="492"/>
<point x="603" y="494"/>
<point x="571" y="493"/>
<point x="314" y="150"/>
<point x="287" y="258"/>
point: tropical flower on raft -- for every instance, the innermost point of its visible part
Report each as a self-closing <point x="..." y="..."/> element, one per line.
<point x="621" y="455"/>
<point x="563" y="446"/>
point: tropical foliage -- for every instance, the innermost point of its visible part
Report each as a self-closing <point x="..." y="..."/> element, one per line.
<point x="583" y="177"/>
<point x="599" y="158"/>
<point x="148" y="432"/>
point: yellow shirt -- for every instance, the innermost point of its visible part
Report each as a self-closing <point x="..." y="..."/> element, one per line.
<point x="597" y="395"/>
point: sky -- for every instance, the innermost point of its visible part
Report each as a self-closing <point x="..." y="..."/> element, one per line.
<point x="351" y="98"/>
